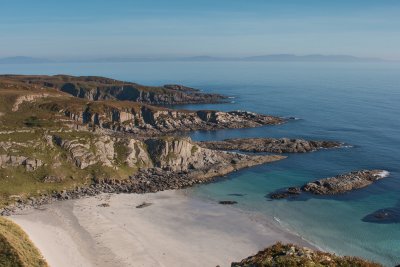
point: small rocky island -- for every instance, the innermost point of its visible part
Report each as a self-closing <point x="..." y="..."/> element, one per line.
<point x="272" y="145"/>
<point x="334" y="185"/>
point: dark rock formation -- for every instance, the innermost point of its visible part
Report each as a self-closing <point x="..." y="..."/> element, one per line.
<point x="334" y="185"/>
<point x="283" y="145"/>
<point x="384" y="216"/>
<point x="227" y="202"/>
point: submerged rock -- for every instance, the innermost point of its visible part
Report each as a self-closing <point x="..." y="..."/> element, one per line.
<point x="384" y="216"/>
<point x="227" y="202"/>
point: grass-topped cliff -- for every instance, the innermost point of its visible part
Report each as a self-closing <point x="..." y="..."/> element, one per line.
<point x="16" y="249"/>
<point x="289" y="255"/>
<point x="100" y="88"/>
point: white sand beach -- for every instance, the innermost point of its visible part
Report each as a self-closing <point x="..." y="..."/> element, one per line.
<point x="176" y="230"/>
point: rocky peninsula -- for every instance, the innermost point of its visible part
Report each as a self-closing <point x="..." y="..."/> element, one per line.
<point x="334" y="185"/>
<point x="99" y="88"/>
<point x="272" y="145"/>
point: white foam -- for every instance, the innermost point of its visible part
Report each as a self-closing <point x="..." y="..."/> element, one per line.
<point x="384" y="174"/>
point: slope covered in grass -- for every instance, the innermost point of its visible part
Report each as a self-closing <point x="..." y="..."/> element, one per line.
<point x="16" y="249"/>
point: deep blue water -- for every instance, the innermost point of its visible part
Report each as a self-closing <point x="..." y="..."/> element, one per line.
<point x="351" y="102"/>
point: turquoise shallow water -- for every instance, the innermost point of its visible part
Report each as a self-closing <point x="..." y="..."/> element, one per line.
<point x="355" y="103"/>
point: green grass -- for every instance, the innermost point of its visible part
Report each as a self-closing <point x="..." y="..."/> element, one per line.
<point x="16" y="249"/>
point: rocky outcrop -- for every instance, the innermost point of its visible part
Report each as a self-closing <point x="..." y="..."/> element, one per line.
<point x="30" y="164"/>
<point x="27" y="98"/>
<point x="100" y="88"/>
<point x="273" y="145"/>
<point x="181" y="154"/>
<point x="79" y="152"/>
<point x="137" y="154"/>
<point x="343" y="183"/>
<point x="147" y="120"/>
<point x="283" y="255"/>
<point x="334" y="185"/>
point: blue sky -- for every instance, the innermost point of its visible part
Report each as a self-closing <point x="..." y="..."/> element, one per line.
<point x="99" y="28"/>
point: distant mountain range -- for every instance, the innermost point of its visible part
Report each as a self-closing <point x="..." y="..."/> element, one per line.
<point x="23" y="60"/>
<point x="262" y="58"/>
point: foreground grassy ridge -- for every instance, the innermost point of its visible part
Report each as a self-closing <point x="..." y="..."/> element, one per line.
<point x="16" y="249"/>
<point x="289" y="255"/>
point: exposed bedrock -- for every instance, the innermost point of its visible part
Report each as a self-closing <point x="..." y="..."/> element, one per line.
<point x="334" y="185"/>
<point x="273" y="145"/>
<point x="30" y="164"/>
<point x="143" y="119"/>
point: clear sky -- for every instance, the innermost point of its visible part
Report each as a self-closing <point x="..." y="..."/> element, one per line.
<point x="93" y="28"/>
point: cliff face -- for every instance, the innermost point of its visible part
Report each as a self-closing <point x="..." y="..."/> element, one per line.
<point x="136" y="118"/>
<point x="100" y="88"/>
<point x="182" y="155"/>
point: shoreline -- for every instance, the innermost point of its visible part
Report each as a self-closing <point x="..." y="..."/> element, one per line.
<point x="176" y="229"/>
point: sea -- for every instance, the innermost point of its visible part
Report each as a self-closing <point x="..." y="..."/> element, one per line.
<point x="355" y="103"/>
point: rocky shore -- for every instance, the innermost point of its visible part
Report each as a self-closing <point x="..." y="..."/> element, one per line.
<point x="144" y="181"/>
<point x="334" y="185"/>
<point x="273" y="145"/>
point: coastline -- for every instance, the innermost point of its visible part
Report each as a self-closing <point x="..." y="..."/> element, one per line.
<point x="176" y="228"/>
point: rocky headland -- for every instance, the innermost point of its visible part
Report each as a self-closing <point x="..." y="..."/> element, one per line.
<point x="273" y="145"/>
<point x="99" y="88"/>
<point x="283" y="255"/>
<point x="334" y="185"/>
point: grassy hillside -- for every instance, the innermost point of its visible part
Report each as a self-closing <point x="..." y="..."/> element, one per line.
<point x="16" y="249"/>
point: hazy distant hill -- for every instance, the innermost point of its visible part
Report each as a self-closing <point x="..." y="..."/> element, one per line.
<point x="262" y="58"/>
<point x="290" y="57"/>
<point x="23" y="60"/>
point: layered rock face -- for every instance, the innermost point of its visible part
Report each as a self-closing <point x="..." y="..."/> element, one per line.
<point x="100" y="88"/>
<point x="273" y="145"/>
<point x="179" y="154"/>
<point x="334" y="185"/>
<point x="30" y="164"/>
<point x="143" y="119"/>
